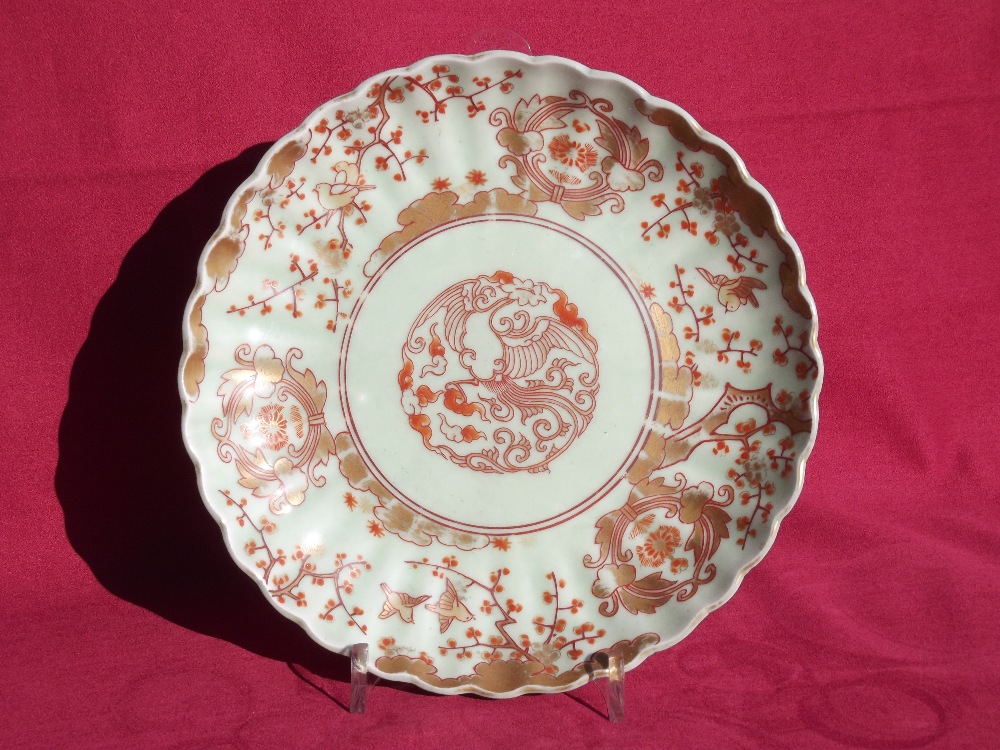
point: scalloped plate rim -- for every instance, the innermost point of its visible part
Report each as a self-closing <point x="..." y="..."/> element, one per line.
<point x="492" y="55"/>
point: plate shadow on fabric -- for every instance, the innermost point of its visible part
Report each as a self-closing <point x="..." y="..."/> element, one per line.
<point x="126" y="485"/>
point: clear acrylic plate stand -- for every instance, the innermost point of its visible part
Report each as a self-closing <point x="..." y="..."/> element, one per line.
<point x="609" y="670"/>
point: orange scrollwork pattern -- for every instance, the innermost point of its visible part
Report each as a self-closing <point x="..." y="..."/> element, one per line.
<point x="700" y="509"/>
<point x="678" y="524"/>
<point x="590" y="160"/>
<point x="272" y="426"/>
<point x="499" y="374"/>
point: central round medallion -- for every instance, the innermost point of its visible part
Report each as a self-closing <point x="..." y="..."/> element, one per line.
<point x="498" y="374"/>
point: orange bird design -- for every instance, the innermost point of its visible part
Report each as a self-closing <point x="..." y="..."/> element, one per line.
<point x="491" y="350"/>
<point x="734" y="293"/>
<point x="449" y="607"/>
<point x="502" y="346"/>
<point x="396" y="602"/>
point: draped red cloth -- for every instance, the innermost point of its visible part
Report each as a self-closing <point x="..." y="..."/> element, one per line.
<point x="873" y="621"/>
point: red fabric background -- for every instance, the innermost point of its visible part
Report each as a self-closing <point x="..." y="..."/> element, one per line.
<point x="873" y="622"/>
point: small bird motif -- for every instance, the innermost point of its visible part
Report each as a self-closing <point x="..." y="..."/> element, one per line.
<point x="734" y="293"/>
<point x="397" y="602"/>
<point x="333" y="196"/>
<point x="449" y="607"/>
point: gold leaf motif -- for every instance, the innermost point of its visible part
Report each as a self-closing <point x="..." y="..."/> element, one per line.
<point x="508" y="675"/>
<point x="248" y="480"/>
<point x="354" y="470"/>
<point x="607" y="140"/>
<point x="234" y="386"/>
<point x="240" y="209"/>
<point x="519" y="143"/>
<point x="222" y="260"/>
<point x="306" y="378"/>
<point x="503" y="676"/>
<point x="396" y="517"/>
<point x="652" y="487"/>
<point x="194" y="365"/>
<point x="676" y="381"/>
<point x="325" y="447"/>
<point x="282" y="163"/>
<point x="581" y="209"/>
<point x="646" y="594"/>
<point x="526" y="109"/>
<point x="435" y="209"/>
<point x="719" y="522"/>
<point x="534" y="194"/>
<point x="638" y="145"/>
<point x="227" y="248"/>
<point x="693" y="502"/>
<point x="612" y="578"/>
